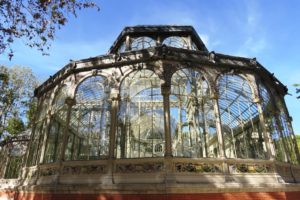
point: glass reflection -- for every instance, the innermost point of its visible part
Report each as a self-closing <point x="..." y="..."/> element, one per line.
<point x="192" y="116"/>
<point x="243" y="136"/>
<point x="90" y="121"/>
<point x="140" y="119"/>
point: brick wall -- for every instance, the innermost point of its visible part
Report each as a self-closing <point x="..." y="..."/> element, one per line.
<point x="204" y="196"/>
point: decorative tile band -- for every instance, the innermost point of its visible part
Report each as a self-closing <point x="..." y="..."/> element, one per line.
<point x="198" y="167"/>
<point x="48" y="171"/>
<point x="88" y="169"/>
<point x="140" y="168"/>
<point x="250" y="168"/>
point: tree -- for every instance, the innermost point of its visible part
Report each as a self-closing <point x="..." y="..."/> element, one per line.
<point x="32" y="108"/>
<point x="16" y="96"/>
<point x="15" y="125"/>
<point x="36" y="21"/>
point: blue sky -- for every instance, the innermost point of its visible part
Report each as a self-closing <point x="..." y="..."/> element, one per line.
<point x="265" y="29"/>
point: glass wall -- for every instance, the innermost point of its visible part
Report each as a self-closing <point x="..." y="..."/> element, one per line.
<point x="176" y="41"/>
<point x="271" y="124"/>
<point x="88" y="134"/>
<point x="243" y="137"/>
<point x="287" y="136"/>
<point x="142" y="43"/>
<point x="193" y="125"/>
<point x="13" y="167"/>
<point x="38" y="133"/>
<point x="122" y="47"/>
<point x="140" y="130"/>
<point x="57" y="127"/>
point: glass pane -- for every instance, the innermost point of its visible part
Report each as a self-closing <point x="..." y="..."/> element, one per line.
<point x="35" y="145"/>
<point x="193" y="124"/>
<point x="142" y="43"/>
<point x="243" y="135"/>
<point x="175" y="41"/>
<point x="287" y="137"/>
<point x="90" y="121"/>
<point x="57" y="127"/>
<point x="122" y="48"/>
<point x="53" y="142"/>
<point x="44" y="107"/>
<point x="194" y="47"/>
<point x="13" y="167"/>
<point x="271" y="124"/>
<point x="140" y="117"/>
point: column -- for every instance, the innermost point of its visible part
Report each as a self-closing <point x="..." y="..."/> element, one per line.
<point x="267" y="138"/>
<point x="127" y="43"/>
<point x="113" y="126"/>
<point x="114" y="98"/>
<point x="226" y="171"/>
<point x="189" y="40"/>
<point x="69" y="102"/>
<point x="165" y="90"/>
<point x="215" y="97"/>
<point x="45" y="129"/>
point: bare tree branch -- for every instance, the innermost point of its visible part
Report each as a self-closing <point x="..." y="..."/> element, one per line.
<point x="36" y="21"/>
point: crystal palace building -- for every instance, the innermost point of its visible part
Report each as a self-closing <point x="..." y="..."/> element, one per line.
<point x="158" y="117"/>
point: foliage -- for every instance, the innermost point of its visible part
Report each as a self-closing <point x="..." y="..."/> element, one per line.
<point x="16" y="95"/>
<point x="36" y="21"/>
<point x="32" y="108"/>
<point x="14" y="126"/>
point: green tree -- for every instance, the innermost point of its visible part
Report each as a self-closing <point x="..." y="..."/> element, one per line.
<point x="35" y="21"/>
<point x="14" y="126"/>
<point x="16" y="95"/>
<point x="32" y="108"/>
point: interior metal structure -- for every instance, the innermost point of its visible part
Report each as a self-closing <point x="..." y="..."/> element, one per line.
<point x="160" y="108"/>
<point x="12" y="155"/>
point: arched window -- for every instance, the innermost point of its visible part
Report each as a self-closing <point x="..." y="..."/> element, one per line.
<point x="241" y="128"/>
<point x="271" y="123"/>
<point x="193" y="124"/>
<point x="38" y="132"/>
<point x="90" y="121"/>
<point x="176" y="41"/>
<point x="57" y="127"/>
<point x="140" y="116"/>
<point x="142" y="43"/>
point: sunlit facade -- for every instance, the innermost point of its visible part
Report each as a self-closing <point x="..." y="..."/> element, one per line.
<point x="160" y="108"/>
